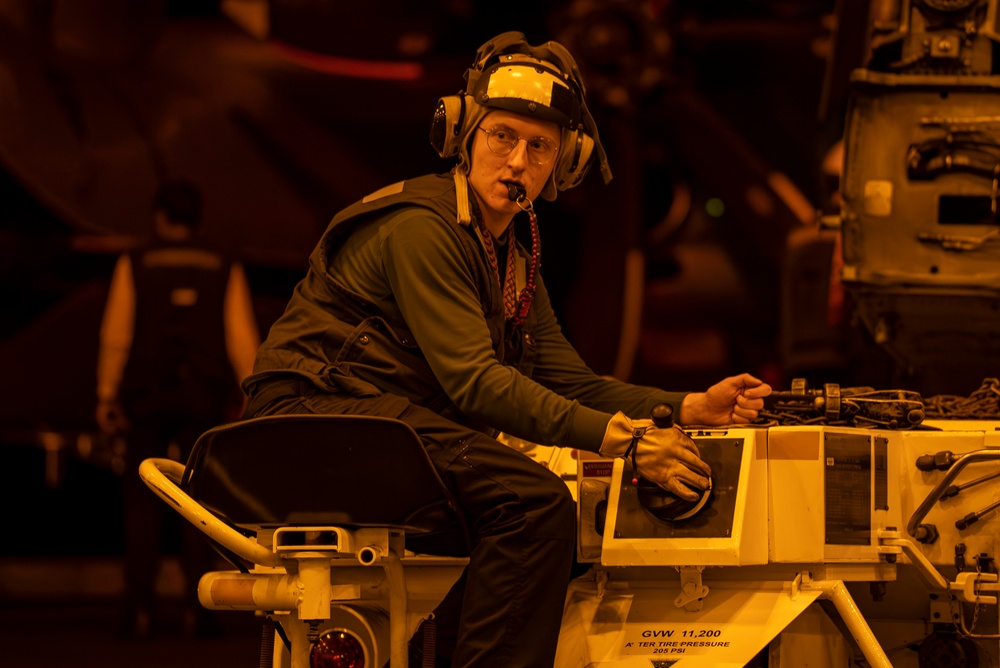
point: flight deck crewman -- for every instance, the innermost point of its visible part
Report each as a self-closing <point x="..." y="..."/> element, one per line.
<point x="419" y="305"/>
<point x="177" y="337"/>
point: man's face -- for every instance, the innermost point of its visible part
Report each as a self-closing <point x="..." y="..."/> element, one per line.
<point x="490" y="173"/>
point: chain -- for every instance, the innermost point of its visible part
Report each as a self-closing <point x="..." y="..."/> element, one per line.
<point x="982" y="404"/>
<point x="975" y="591"/>
<point x="877" y="409"/>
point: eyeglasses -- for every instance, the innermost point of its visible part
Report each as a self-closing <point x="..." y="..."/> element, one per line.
<point x="502" y="140"/>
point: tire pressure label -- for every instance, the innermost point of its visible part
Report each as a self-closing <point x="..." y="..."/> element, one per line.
<point x="667" y="640"/>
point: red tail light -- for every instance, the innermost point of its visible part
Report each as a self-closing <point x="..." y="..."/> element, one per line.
<point x="337" y="649"/>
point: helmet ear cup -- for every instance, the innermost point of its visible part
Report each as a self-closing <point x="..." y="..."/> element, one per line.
<point x="446" y="126"/>
<point x="574" y="161"/>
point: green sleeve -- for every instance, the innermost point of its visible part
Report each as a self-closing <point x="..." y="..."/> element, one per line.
<point x="559" y="368"/>
<point x="435" y="291"/>
<point x="565" y="403"/>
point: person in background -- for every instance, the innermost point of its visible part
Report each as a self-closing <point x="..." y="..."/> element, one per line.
<point x="177" y="337"/>
<point x="420" y="304"/>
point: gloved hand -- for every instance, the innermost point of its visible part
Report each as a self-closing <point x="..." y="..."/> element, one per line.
<point x="665" y="456"/>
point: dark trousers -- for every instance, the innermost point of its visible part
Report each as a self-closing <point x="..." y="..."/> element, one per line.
<point x="506" y="609"/>
<point x="146" y="514"/>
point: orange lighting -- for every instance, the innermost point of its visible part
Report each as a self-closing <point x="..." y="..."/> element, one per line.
<point x="349" y="67"/>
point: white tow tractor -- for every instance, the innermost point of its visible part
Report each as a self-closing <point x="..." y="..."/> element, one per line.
<point x="817" y="546"/>
<point x="820" y="546"/>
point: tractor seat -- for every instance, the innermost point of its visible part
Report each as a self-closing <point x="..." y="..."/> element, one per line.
<point x="312" y="470"/>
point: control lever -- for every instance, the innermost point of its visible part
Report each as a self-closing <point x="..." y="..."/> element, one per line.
<point x="663" y="416"/>
<point x="955" y="489"/>
<point x="974" y="517"/>
<point x="664" y="505"/>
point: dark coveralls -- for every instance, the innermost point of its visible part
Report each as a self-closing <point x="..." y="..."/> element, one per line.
<point x="177" y="383"/>
<point x="333" y="351"/>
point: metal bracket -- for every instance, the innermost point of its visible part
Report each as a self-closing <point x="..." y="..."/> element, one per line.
<point x="692" y="590"/>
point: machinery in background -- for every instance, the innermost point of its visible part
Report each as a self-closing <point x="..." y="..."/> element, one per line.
<point x="919" y="188"/>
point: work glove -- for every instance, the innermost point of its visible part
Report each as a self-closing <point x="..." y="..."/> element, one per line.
<point x="665" y="456"/>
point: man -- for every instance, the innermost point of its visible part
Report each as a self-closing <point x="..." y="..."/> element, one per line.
<point x="178" y="336"/>
<point x="419" y="305"/>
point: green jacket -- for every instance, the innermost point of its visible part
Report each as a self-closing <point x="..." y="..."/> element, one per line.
<point x="399" y="298"/>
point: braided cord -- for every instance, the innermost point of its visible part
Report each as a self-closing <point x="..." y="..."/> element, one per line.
<point x="515" y="308"/>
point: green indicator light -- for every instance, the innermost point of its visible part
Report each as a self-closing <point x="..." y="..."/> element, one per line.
<point x="715" y="208"/>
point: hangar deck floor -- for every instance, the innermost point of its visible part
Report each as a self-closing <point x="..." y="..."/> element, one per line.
<point x="47" y="623"/>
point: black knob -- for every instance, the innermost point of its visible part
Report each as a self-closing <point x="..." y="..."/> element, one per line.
<point x="663" y="415"/>
<point x="663" y="505"/>
<point x="926" y="534"/>
<point x="941" y="461"/>
<point x="925" y="462"/>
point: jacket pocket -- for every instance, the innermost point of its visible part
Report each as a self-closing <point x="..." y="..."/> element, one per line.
<point x="389" y="359"/>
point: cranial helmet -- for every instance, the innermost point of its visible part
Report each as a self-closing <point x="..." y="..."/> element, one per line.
<point x="537" y="81"/>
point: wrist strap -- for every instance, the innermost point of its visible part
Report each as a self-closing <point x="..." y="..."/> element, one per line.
<point x="637" y="433"/>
